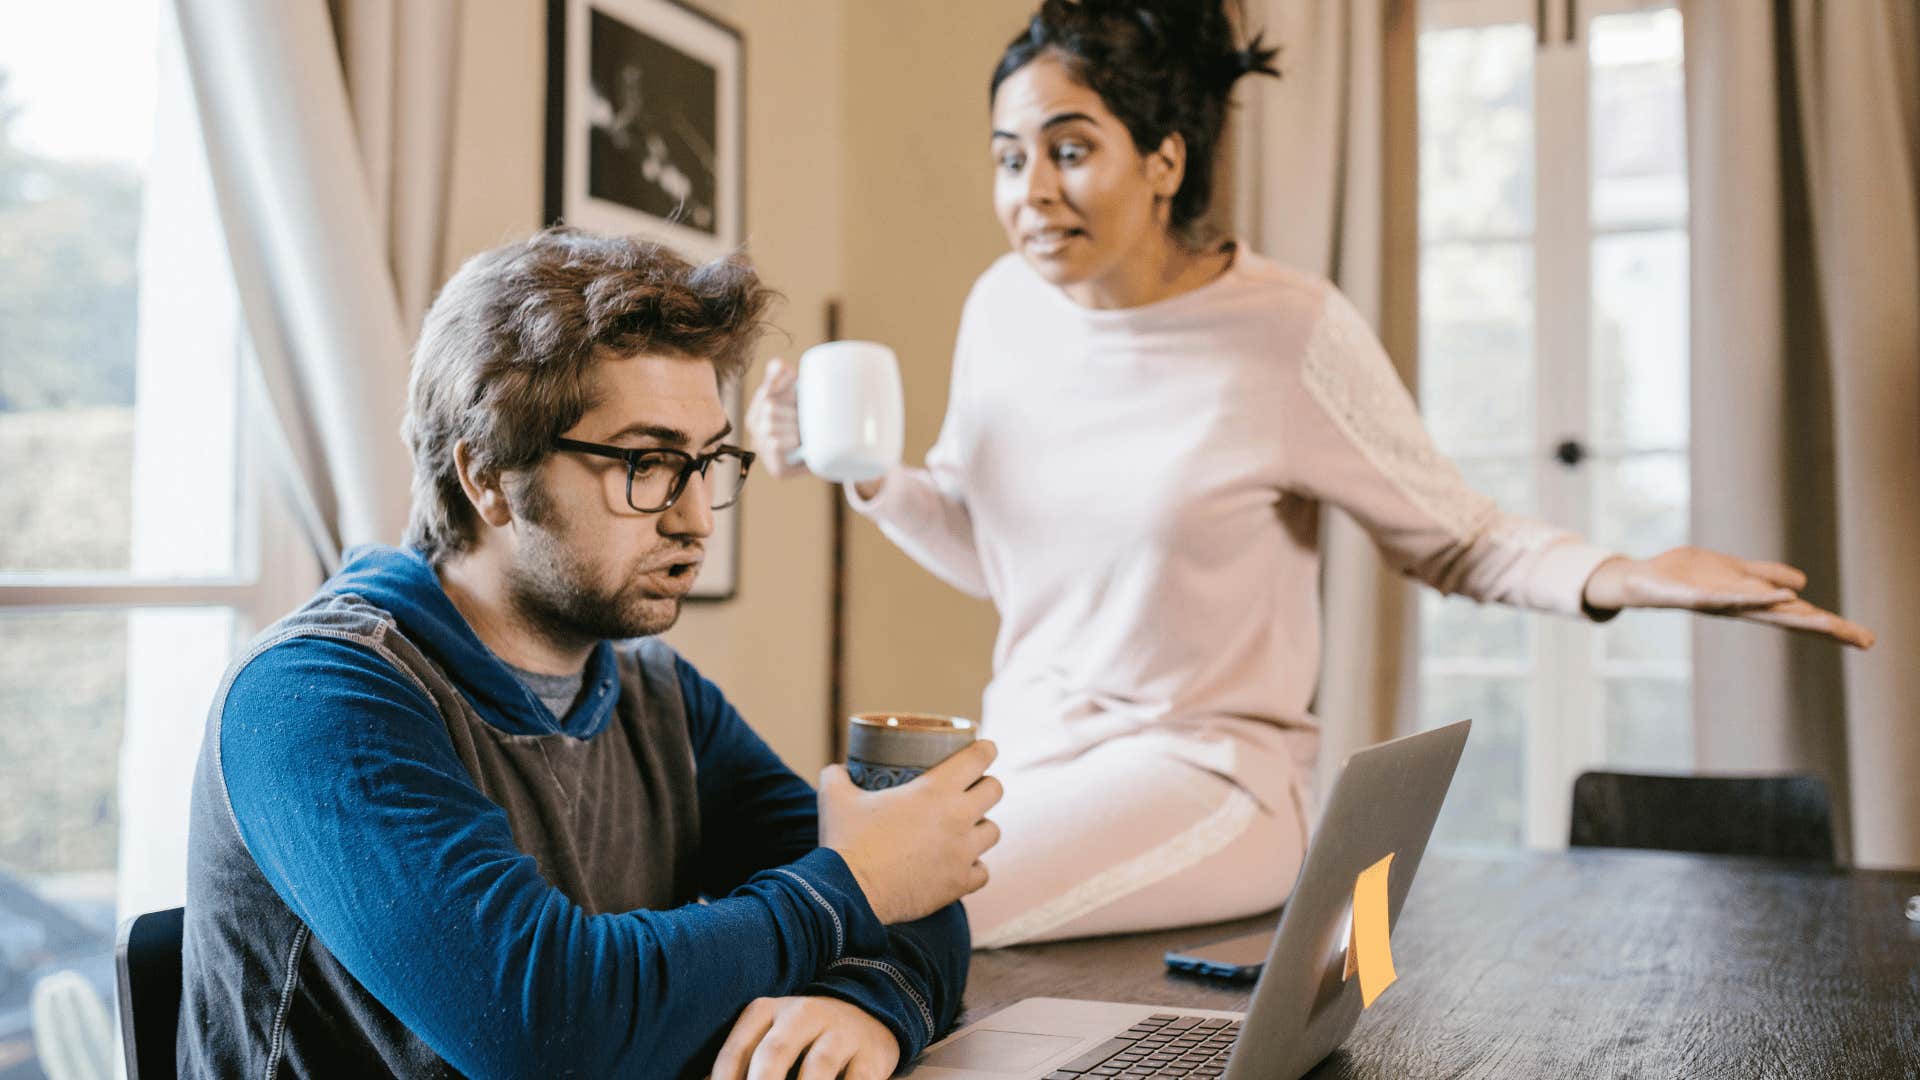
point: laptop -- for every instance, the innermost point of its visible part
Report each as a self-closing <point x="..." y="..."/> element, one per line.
<point x="1384" y="802"/>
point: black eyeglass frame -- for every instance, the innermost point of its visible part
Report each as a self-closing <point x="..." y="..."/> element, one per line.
<point x="688" y="465"/>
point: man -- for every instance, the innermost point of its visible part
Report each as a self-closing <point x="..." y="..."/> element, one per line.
<point x="450" y="819"/>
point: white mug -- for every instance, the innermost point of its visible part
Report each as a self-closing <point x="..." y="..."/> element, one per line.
<point x="852" y="420"/>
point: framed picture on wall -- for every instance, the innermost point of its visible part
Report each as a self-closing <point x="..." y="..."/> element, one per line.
<point x="645" y="136"/>
<point x="645" y="104"/>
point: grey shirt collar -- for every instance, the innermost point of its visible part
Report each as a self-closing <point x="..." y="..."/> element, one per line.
<point x="557" y="692"/>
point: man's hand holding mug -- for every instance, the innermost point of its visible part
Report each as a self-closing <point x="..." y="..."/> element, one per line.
<point x="914" y="848"/>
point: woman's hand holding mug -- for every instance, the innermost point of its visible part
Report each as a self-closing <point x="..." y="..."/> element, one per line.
<point x="773" y="420"/>
<point x="838" y="415"/>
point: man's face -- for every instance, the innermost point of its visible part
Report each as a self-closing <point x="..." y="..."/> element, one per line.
<point x="585" y="565"/>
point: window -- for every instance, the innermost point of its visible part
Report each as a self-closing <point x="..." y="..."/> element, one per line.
<point x="143" y="543"/>
<point x="1553" y="297"/>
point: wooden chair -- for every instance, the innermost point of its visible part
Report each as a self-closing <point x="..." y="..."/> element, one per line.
<point x="1781" y="817"/>
<point x="148" y="958"/>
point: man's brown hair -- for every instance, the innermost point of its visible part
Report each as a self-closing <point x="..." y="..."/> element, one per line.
<point x="505" y="355"/>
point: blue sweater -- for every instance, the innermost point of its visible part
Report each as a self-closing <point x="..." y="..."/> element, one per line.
<point x="402" y="861"/>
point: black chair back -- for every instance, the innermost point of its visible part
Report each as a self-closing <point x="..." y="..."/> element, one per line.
<point x="148" y="957"/>
<point x="1782" y="817"/>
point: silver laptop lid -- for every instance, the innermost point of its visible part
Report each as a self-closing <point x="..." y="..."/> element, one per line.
<point x="1384" y="802"/>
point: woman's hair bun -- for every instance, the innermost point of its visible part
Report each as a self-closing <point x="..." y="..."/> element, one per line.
<point x="1255" y="58"/>
<point x="1197" y="34"/>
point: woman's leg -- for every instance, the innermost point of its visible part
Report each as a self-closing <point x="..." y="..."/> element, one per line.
<point x="1123" y="839"/>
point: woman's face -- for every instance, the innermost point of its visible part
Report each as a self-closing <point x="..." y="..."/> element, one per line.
<point x="1078" y="202"/>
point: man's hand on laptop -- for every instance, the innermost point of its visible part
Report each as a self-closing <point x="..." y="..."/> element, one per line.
<point x="916" y="848"/>
<point x="824" y="1037"/>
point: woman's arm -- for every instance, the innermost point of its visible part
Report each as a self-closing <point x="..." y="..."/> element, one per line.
<point x="1355" y="439"/>
<point x="924" y="512"/>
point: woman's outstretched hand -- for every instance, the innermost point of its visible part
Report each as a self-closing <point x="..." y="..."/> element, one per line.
<point x="1695" y="579"/>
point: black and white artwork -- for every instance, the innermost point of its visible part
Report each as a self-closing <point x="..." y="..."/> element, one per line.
<point x="644" y="122"/>
<point x="652" y="125"/>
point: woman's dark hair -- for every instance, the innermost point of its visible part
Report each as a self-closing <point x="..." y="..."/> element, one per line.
<point x="1161" y="66"/>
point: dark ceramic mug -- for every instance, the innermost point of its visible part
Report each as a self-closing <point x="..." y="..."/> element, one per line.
<point x="887" y="749"/>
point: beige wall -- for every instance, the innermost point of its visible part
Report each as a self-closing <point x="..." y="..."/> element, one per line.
<point x="919" y="229"/>
<point x="767" y="649"/>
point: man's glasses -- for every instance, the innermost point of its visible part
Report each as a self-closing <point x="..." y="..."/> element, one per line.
<point x="656" y="477"/>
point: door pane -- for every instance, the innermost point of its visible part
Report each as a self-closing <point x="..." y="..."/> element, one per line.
<point x="1476" y="132"/>
<point x="1638" y="140"/>
<point x="1648" y="635"/>
<point x="1456" y="628"/>
<point x="1508" y="481"/>
<point x="1626" y="398"/>
<point x="1476" y="347"/>
<point x="1640" y="502"/>
<point x="1484" y="808"/>
<point x="1638" y="379"/>
<point x="1639" y="340"/>
<point x="1648" y="724"/>
<point x="1640" y="506"/>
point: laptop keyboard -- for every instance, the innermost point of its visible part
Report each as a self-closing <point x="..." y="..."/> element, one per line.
<point x="1164" y="1044"/>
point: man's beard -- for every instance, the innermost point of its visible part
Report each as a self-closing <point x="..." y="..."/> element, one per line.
<point x="556" y="595"/>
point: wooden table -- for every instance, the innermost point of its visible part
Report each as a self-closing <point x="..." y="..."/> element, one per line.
<point x="1582" y="964"/>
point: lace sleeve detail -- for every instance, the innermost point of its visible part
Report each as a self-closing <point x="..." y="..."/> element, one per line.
<point x="1348" y="375"/>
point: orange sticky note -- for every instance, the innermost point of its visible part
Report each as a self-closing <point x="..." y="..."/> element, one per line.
<point x="1369" y="946"/>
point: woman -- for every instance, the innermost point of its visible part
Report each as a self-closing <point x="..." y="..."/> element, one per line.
<point x="1142" y="426"/>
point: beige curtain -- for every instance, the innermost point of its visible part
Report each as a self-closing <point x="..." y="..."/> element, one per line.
<point x="1804" y="146"/>
<point x="1325" y="181"/>
<point x="318" y="306"/>
<point x="400" y="62"/>
<point x="327" y="131"/>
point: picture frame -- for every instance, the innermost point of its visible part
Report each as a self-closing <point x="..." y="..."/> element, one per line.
<point x="646" y="127"/>
<point x="646" y="136"/>
<point x="720" y="574"/>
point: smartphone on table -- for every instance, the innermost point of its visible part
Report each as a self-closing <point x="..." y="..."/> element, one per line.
<point x="1239" y="959"/>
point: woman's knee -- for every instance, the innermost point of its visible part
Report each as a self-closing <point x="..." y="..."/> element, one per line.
<point x="1236" y="859"/>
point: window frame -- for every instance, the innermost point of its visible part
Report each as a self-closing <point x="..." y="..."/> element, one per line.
<point x="270" y="550"/>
